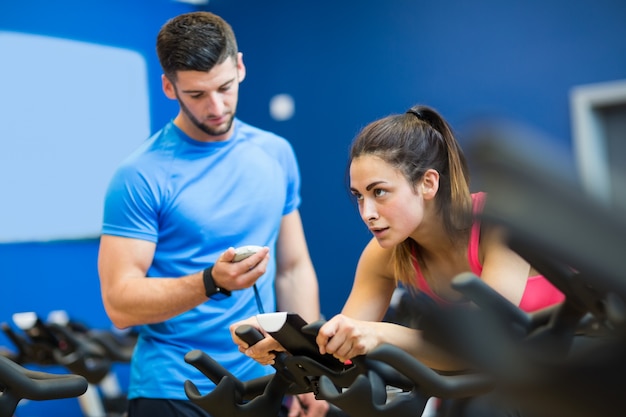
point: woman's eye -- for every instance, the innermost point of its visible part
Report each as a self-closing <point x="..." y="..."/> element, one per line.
<point x="379" y="192"/>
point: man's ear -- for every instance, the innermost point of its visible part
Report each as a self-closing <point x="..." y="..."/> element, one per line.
<point x="168" y="87"/>
<point x="430" y="183"/>
<point x="241" y="68"/>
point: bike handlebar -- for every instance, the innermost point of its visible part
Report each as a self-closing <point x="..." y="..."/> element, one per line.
<point x="20" y="383"/>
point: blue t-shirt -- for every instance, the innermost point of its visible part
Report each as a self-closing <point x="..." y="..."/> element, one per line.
<point x="194" y="200"/>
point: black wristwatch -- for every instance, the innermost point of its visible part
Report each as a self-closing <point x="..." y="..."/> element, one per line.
<point x="210" y="289"/>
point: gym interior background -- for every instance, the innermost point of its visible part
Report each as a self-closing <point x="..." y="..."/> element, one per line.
<point x="82" y="88"/>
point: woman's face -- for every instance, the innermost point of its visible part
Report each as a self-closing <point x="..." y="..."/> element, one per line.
<point x="389" y="205"/>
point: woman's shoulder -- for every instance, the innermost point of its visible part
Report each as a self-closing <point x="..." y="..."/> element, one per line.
<point x="377" y="259"/>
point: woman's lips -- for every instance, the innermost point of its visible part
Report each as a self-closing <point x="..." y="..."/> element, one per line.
<point x="378" y="231"/>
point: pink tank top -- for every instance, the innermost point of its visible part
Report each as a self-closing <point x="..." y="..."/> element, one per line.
<point x="539" y="292"/>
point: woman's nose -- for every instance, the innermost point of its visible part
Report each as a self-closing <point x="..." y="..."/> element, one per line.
<point x="369" y="212"/>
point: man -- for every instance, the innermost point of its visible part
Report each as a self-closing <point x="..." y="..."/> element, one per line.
<point x="203" y="185"/>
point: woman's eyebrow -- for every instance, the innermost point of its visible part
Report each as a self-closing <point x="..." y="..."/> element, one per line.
<point x="374" y="184"/>
<point x="369" y="187"/>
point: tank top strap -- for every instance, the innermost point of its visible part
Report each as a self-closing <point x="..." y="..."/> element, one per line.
<point x="478" y="203"/>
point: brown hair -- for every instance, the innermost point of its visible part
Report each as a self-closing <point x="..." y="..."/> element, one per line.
<point x="195" y="41"/>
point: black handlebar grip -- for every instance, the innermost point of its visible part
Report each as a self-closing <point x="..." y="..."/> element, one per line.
<point x="313" y="328"/>
<point x="486" y="297"/>
<point x="249" y="334"/>
<point x="34" y="385"/>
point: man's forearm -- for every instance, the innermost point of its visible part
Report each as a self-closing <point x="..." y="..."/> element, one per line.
<point x="297" y="291"/>
<point x="141" y="300"/>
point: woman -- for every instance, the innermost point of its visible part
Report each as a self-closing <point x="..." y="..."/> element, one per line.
<point x="411" y="181"/>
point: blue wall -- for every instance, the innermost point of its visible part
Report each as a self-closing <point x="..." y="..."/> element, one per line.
<point x="345" y="63"/>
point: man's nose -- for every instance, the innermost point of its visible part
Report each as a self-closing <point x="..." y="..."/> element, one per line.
<point x="216" y="105"/>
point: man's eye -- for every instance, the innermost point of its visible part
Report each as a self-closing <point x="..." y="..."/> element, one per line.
<point x="226" y="87"/>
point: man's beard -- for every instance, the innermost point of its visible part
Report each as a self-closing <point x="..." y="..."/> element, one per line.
<point x="206" y="129"/>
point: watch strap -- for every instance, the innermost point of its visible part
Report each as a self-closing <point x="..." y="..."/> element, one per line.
<point x="211" y="289"/>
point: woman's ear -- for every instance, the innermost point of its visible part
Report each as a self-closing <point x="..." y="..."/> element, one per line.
<point x="430" y="184"/>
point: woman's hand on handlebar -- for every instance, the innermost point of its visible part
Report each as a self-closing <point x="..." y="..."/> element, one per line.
<point x="345" y="338"/>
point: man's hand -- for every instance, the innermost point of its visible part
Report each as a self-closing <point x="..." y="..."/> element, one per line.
<point x="232" y="275"/>
<point x="262" y="351"/>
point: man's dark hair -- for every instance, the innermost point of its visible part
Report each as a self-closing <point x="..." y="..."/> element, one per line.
<point x="194" y="41"/>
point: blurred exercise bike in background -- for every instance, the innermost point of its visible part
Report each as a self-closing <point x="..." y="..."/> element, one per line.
<point x="90" y="353"/>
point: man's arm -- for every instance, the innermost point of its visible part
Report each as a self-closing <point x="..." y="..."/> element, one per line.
<point x="130" y="298"/>
<point x="297" y="289"/>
